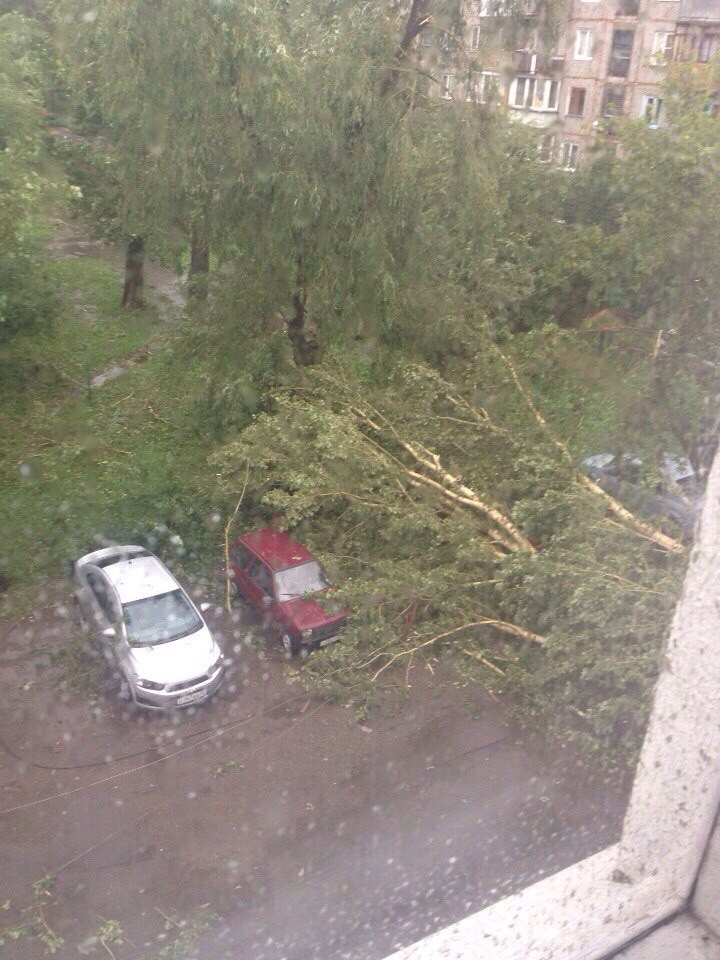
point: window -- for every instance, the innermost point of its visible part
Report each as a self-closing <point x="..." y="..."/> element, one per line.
<point x="628" y="8"/>
<point x="242" y="556"/>
<point x="576" y="102"/>
<point x="583" y="45"/>
<point x="546" y="147"/>
<point x="568" y="158"/>
<point x="426" y="37"/>
<point x="160" y="619"/>
<point x="102" y="594"/>
<point x="662" y="48"/>
<point x="524" y="92"/>
<point x="475" y="38"/>
<point x="613" y="101"/>
<point x="483" y="87"/>
<point x="446" y="86"/>
<point x="685" y="47"/>
<point x="534" y="93"/>
<point x="298" y="581"/>
<point x="261" y="577"/>
<point x="621" y="52"/>
<point x="708" y="47"/>
<point x="482" y="8"/>
<point x="650" y="109"/>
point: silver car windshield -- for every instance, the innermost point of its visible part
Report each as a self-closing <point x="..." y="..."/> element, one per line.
<point x="168" y="616"/>
<point x="297" y="581"/>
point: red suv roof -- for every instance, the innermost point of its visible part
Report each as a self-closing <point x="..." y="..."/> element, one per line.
<point x="276" y="548"/>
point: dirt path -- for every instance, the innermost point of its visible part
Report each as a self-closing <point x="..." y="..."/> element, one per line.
<point x="308" y="834"/>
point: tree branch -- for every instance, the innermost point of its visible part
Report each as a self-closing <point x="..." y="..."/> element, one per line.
<point x="640" y="527"/>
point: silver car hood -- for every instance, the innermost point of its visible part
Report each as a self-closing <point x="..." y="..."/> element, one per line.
<point x="176" y="660"/>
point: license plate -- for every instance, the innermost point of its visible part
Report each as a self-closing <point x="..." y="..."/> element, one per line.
<point x="190" y="698"/>
<point x="324" y="643"/>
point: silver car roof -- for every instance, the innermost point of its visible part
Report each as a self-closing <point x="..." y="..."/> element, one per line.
<point x="140" y="577"/>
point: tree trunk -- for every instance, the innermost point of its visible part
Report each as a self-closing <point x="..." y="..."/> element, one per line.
<point x="306" y="350"/>
<point x="199" y="270"/>
<point x="418" y="19"/>
<point x="132" y="298"/>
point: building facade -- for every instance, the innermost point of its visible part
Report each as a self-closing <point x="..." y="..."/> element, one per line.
<point x="609" y="60"/>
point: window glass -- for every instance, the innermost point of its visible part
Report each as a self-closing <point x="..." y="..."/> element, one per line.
<point x="298" y="581"/>
<point x="583" y="45"/>
<point x="242" y="556"/>
<point x="160" y="619"/>
<point x="621" y="53"/>
<point x="261" y="577"/>
<point x="576" y="102"/>
<point x="102" y="594"/>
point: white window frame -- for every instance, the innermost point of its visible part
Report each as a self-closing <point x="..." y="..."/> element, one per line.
<point x="568" y="149"/>
<point x="597" y="906"/>
<point x="583" y="49"/>
<point x="483" y="8"/>
<point x="655" y="103"/>
<point x="475" y="34"/>
<point x="660" y="42"/>
<point x="532" y="82"/>
<point x="446" y="85"/>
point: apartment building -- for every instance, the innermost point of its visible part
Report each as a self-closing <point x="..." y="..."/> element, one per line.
<point x="608" y="60"/>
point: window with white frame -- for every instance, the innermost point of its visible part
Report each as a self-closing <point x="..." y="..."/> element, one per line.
<point x="475" y="37"/>
<point x="662" y="48"/>
<point x="446" y="84"/>
<point x="482" y="8"/>
<point x="426" y="37"/>
<point x="534" y="93"/>
<point x="568" y="156"/>
<point x="583" y="45"/>
<point x="651" y="109"/>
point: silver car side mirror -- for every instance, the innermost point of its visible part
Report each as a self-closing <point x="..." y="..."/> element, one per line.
<point x="109" y="632"/>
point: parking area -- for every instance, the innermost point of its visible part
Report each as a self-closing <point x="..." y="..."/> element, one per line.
<point x="271" y="824"/>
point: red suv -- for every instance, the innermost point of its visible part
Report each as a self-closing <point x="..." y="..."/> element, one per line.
<point x="282" y="579"/>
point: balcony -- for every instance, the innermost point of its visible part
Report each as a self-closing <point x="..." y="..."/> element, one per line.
<point x="531" y="63"/>
<point x="699" y="11"/>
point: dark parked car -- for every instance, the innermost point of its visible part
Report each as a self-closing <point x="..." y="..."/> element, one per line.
<point x="284" y="581"/>
<point x="676" y="497"/>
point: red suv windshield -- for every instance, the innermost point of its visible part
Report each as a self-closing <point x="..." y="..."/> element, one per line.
<point x="297" y="581"/>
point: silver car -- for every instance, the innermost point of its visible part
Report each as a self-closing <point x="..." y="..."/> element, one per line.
<point x="151" y="629"/>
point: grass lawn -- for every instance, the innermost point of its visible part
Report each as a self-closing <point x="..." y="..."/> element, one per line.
<point x="116" y="461"/>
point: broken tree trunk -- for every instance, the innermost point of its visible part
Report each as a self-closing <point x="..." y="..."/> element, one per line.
<point x="451" y="487"/>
